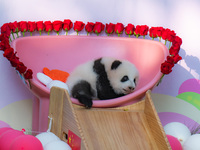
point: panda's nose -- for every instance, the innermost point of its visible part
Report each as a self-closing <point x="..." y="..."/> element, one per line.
<point x="131" y="88"/>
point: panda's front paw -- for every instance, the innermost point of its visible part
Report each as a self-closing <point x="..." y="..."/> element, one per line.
<point x="88" y="105"/>
<point x="86" y="102"/>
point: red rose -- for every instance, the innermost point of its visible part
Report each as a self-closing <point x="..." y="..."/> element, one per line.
<point x="153" y="32"/>
<point x="176" y="58"/>
<point x="119" y="27"/>
<point x="31" y="26"/>
<point x="170" y="60"/>
<point x="174" y="50"/>
<point x="171" y="35"/>
<point x="166" y="67"/>
<point x="1" y="37"/>
<point x="177" y="40"/>
<point x="141" y="30"/>
<point x="14" y="61"/>
<point x="21" y="67"/>
<point x="110" y="28"/>
<point x="78" y="26"/>
<point x="129" y="29"/>
<point x="176" y="46"/>
<point x="159" y="31"/>
<point x="5" y="29"/>
<point x="28" y="74"/>
<point x="48" y="26"/>
<point x="137" y="31"/>
<point x="11" y="26"/>
<point x="4" y="44"/>
<point x="67" y="24"/>
<point x="89" y="27"/>
<point x="165" y="33"/>
<point x="14" y="26"/>
<point x="8" y="53"/>
<point x="57" y="26"/>
<point x="40" y="26"/>
<point x="98" y="27"/>
<point x="144" y="30"/>
<point x="4" y="36"/>
<point x="23" y="26"/>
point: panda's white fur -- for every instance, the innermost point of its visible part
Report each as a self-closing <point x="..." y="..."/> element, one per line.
<point x="83" y="72"/>
<point x="115" y="76"/>
<point x="102" y="79"/>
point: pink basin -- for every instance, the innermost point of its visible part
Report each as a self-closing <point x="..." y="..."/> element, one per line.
<point x="66" y="52"/>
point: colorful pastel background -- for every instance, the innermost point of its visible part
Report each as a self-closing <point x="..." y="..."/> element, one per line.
<point x="177" y="98"/>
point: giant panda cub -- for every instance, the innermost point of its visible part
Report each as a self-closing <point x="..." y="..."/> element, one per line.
<point x="103" y="78"/>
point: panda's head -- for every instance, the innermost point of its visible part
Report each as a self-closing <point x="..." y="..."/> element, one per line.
<point x="122" y="74"/>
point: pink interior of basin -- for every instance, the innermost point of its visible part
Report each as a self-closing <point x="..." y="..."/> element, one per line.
<point x="66" y="52"/>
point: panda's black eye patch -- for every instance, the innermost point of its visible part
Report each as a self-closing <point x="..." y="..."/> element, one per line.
<point x="124" y="79"/>
<point x="134" y="80"/>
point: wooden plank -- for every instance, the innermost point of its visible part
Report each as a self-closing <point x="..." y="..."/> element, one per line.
<point x="56" y="110"/>
<point x="115" y="130"/>
<point x="155" y="124"/>
<point x="136" y="126"/>
<point x="63" y="115"/>
<point x="139" y="106"/>
<point x="70" y="121"/>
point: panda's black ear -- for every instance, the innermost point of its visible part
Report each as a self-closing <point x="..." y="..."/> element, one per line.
<point x="115" y="64"/>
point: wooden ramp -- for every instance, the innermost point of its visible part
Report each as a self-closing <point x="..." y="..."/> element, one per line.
<point x="133" y="127"/>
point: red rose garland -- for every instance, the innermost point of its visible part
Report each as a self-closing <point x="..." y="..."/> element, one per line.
<point x="98" y="27"/>
<point x="8" y="51"/>
<point x="173" y="58"/>
<point x="168" y="35"/>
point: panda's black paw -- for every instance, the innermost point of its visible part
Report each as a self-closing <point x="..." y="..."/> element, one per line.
<point x="86" y="102"/>
<point x="88" y="105"/>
